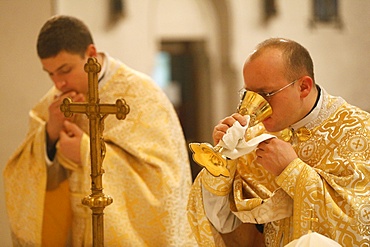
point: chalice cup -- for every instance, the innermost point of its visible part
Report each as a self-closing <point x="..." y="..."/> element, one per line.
<point x="211" y="158"/>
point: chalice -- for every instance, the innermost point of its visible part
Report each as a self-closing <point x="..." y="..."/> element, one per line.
<point x="211" y="158"/>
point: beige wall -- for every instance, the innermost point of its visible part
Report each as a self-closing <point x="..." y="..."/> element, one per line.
<point x="341" y="56"/>
<point x="22" y="81"/>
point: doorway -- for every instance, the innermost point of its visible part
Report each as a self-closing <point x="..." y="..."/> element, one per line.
<point x="185" y="79"/>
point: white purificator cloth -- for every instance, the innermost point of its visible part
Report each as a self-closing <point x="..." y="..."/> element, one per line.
<point x="233" y="144"/>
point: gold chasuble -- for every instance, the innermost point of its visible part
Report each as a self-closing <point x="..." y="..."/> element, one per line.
<point x="147" y="173"/>
<point x="330" y="181"/>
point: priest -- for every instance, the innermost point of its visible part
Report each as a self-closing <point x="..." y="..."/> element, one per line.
<point x="146" y="166"/>
<point x="316" y="165"/>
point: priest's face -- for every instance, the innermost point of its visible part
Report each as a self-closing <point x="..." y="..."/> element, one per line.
<point x="66" y="70"/>
<point x="265" y="74"/>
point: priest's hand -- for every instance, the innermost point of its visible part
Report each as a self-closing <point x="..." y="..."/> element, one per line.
<point x="56" y="117"/>
<point x="220" y="129"/>
<point x="70" y="141"/>
<point x="275" y="154"/>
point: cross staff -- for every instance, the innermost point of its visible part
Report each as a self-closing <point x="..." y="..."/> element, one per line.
<point x="96" y="113"/>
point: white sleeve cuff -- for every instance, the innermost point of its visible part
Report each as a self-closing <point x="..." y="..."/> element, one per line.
<point x="47" y="160"/>
<point x="217" y="209"/>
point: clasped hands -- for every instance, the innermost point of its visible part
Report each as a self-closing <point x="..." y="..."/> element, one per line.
<point x="273" y="154"/>
<point x="62" y="130"/>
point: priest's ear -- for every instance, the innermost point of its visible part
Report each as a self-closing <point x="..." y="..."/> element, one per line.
<point x="91" y="51"/>
<point x="306" y="85"/>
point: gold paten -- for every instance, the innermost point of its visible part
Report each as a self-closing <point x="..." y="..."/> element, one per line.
<point x="205" y="155"/>
<point x="96" y="113"/>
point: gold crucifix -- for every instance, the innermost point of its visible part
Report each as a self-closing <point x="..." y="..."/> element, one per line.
<point x="96" y="113"/>
<point x="311" y="219"/>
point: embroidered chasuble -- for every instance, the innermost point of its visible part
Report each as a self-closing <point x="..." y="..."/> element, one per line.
<point x="147" y="173"/>
<point x="331" y="178"/>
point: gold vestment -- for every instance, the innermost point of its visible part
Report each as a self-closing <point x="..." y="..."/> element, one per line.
<point x="330" y="177"/>
<point x="147" y="173"/>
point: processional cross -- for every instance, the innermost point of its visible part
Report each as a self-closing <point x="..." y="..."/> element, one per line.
<point x="96" y="113"/>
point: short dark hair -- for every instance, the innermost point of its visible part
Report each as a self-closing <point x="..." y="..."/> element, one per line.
<point x="297" y="58"/>
<point x="63" y="33"/>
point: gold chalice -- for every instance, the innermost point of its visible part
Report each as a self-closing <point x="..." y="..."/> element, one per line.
<point x="205" y="155"/>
